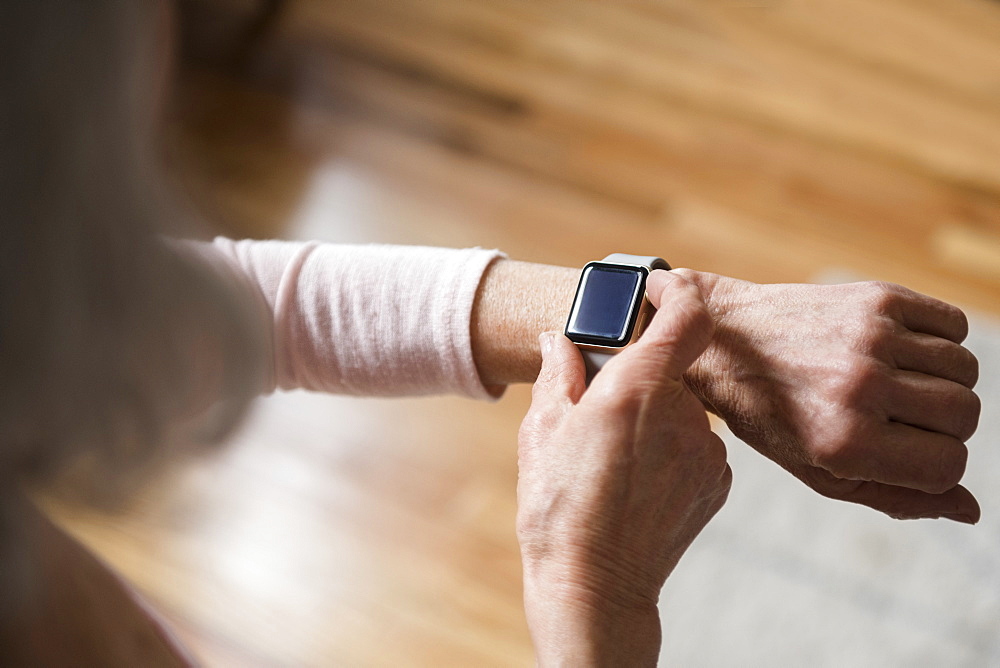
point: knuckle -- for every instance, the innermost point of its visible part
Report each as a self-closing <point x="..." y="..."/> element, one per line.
<point x="700" y="320"/>
<point x="528" y="433"/>
<point x="950" y="469"/>
<point x="873" y="337"/>
<point x="535" y="426"/>
<point x="960" y="322"/>
<point x="841" y="449"/>
<point x="858" y="379"/>
<point x="622" y="407"/>
<point x="829" y="455"/>
<point x="707" y="461"/>
<point x="719" y="494"/>
<point x="531" y="424"/>
<point x="882" y="297"/>
<point x="971" y="368"/>
<point x="549" y="376"/>
<point x="964" y="367"/>
<point x="718" y="501"/>
<point x="617" y="391"/>
<point x="724" y="483"/>
<point x="967" y="408"/>
<point x="713" y="463"/>
<point x="716" y="457"/>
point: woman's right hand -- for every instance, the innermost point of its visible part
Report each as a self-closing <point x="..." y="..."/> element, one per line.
<point x="615" y="481"/>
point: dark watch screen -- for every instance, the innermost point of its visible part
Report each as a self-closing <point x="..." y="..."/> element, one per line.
<point x="605" y="305"/>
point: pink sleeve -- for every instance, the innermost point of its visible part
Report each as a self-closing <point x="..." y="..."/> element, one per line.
<point x="368" y="320"/>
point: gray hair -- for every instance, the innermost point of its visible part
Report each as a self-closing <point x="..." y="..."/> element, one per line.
<point x="108" y="335"/>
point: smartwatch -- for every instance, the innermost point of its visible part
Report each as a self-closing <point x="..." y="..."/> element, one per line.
<point x="610" y="310"/>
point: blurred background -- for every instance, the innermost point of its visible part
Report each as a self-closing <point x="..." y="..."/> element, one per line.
<point x="771" y="140"/>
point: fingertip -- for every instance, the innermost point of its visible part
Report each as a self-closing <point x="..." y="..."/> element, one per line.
<point x="666" y="276"/>
<point x="682" y="326"/>
<point x="562" y="371"/>
<point x="555" y="343"/>
<point x="659" y="281"/>
<point x="547" y="344"/>
<point x="967" y="509"/>
<point x="665" y="288"/>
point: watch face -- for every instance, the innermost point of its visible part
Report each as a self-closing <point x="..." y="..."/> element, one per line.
<point x="607" y="302"/>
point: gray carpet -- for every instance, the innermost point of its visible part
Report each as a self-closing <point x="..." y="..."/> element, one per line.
<point x="783" y="577"/>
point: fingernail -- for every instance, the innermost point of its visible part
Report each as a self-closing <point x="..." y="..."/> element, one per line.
<point x="545" y="342"/>
<point x="665" y="275"/>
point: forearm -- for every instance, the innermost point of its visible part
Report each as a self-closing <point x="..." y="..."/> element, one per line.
<point x="516" y="302"/>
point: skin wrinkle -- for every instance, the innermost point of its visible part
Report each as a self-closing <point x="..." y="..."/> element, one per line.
<point x="948" y="359"/>
<point x="587" y="613"/>
<point x="637" y="472"/>
<point x="799" y="409"/>
<point x="953" y="406"/>
<point x="591" y="540"/>
<point x="744" y="419"/>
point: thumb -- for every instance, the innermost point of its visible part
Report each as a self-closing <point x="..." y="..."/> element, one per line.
<point x="563" y="375"/>
<point x="680" y="330"/>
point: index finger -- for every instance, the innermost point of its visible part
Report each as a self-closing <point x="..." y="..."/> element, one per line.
<point x="680" y="330"/>
<point x="927" y="315"/>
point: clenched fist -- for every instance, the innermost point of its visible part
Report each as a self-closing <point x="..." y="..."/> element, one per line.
<point x="862" y="391"/>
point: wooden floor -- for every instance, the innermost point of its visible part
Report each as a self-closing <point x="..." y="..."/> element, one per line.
<point x="772" y="140"/>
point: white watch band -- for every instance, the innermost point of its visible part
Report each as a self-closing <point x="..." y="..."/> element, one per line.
<point x="593" y="359"/>
<point x="648" y="261"/>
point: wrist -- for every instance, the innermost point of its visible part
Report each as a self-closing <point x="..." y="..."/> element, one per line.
<point x="570" y="627"/>
<point x="517" y="301"/>
<point x="706" y="378"/>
